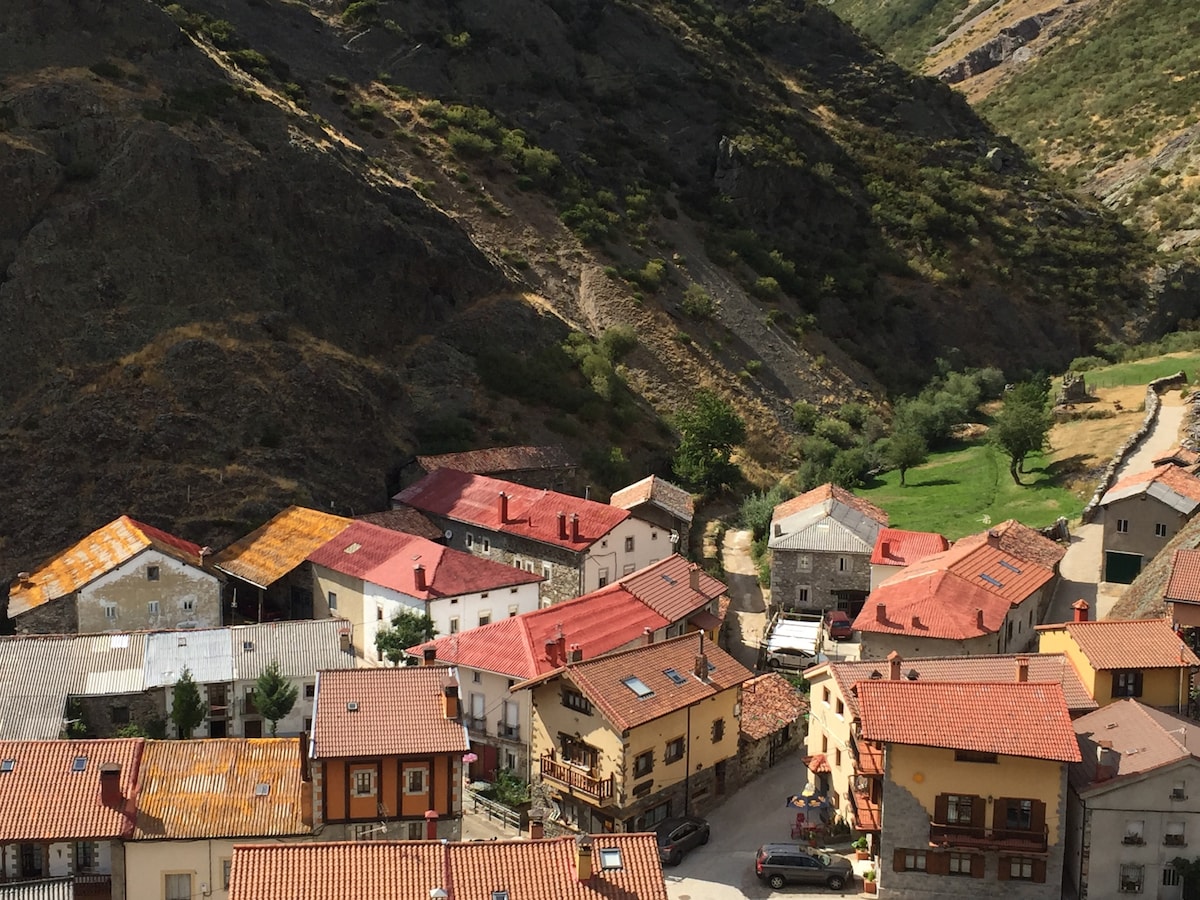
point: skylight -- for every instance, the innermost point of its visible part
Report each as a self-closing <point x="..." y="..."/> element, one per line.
<point x="1010" y="566"/>
<point x="674" y="676"/>
<point x="353" y="548"/>
<point x="990" y="580"/>
<point x="7" y="765"/>
<point x="610" y="859"/>
<point x="79" y="764"/>
<point x="262" y="789"/>
<point x="638" y="686"/>
<point x="499" y="895"/>
<point x="667" y="578"/>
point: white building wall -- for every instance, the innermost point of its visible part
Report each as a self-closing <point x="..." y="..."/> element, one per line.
<point x="186" y="596"/>
<point x="610" y="557"/>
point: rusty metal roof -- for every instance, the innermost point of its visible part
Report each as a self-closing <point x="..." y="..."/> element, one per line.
<point x="221" y="788"/>
<point x="268" y="553"/>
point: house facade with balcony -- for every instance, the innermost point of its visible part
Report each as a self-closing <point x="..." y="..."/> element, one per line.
<point x="1134" y="802"/>
<point x="623" y="741"/>
<point x="973" y="786"/>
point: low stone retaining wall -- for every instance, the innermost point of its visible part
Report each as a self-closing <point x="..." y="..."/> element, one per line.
<point x="1153" y="389"/>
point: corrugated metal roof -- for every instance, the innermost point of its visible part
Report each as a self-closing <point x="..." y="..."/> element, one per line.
<point x="826" y="496"/>
<point x="268" y="553"/>
<point x="829" y="528"/>
<point x="1167" y="484"/>
<point x="206" y="654"/>
<point x="301" y="648"/>
<point x="214" y="789"/>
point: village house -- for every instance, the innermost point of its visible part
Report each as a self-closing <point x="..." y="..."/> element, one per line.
<point x="368" y="574"/>
<point x="670" y="598"/>
<point x="661" y="503"/>
<point x="576" y="545"/>
<point x="1186" y="459"/>
<point x="548" y="468"/>
<point x="626" y="740"/>
<point x="592" y="867"/>
<point x="1116" y="658"/>
<point x="821" y="544"/>
<point x="124" y="576"/>
<point x="1134" y="801"/>
<point x="1182" y="594"/>
<point x="196" y="799"/>
<point x="68" y="805"/>
<point x="845" y="768"/>
<point x="772" y="725"/>
<point x="971" y="599"/>
<point x="1028" y="544"/>
<point x="972" y="784"/>
<point x="387" y="749"/>
<point x="1141" y="513"/>
<point x="896" y="548"/>
<point x="267" y="574"/>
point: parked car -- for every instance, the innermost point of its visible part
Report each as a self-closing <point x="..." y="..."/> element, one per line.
<point x="840" y="626"/>
<point x="781" y="864"/>
<point x="791" y="658"/>
<point x="678" y="835"/>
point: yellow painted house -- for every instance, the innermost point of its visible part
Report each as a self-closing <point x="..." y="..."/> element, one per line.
<point x="623" y="741"/>
<point x="1118" y="658"/>
<point x="974" y="786"/>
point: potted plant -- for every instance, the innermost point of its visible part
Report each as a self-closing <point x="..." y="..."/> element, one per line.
<point x="860" y="848"/>
<point x="869" y="881"/>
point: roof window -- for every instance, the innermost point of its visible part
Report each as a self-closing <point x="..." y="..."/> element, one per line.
<point x="674" y="676"/>
<point x="353" y="548"/>
<point x="610" y="859"/>
<point x="990" y="580"/>
<point x="499" y="895"/>
<point x="79" y="764"/>
<point x="638" y="686"/>
<point x="7" y="765"/>
<point x="262" y="789"/>
<point x="1010" y="566"/>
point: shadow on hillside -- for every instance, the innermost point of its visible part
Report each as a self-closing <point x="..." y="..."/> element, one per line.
<point x="932" y="482"/>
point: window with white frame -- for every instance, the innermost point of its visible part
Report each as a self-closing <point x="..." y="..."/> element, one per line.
<point x="364" y="782"/>
<point x="454" y="624"/>
<point x="1173" y="836"/>
<point x="960" y="863"/>
<point x="110" y="611"/>
<point x="546" y="571"/>
<point x="153" y="605"/>
<point x="415" y="779"/>
<point x="331" y="599"/>
<point x="914" y="860"/>
<point x="603" y="579"/>
<point x="1020" y="868"/>
<point x="513" y="610"/>
<point x="1160" y="529"/>
<point x="629" y="544"/>
<point x="627" y="569"/>
<point x="1132" y="878"/>
<point x="485" y="617"/>
<point x="1122" y="526"/>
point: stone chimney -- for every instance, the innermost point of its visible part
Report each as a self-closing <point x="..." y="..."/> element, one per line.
<point x="110" y="785"/>
<point x="881" y="612"/>
<point x="701" y="667"/>
<point x="979" y="619"/>
<point x="562" y="525"/>
<point x="583" y="857"/>
<point x="574" y="528"/>
<point x="576" y="653"/>
<point x="344" y="640"/>
<point x="419" y="577"/>
<point x="1081" y="610"/>
<point x="993" y="538"/>
<point x="1022" y="668"/>
<point x="648" y="635"/>
<point x="503" y="507"/>
<point x="537" y="826"/>
<point x="778" y="530"/>
<point x="431" y="819"/>
<point x="450" y="699"/>
<point x="894" y="661"/>
<point x="694" y="577"/>
<point x="1106" y="761"/>
<point x="429" y="654"/>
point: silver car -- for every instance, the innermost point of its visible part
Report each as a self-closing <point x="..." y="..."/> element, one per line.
<point x="781" y="864"/>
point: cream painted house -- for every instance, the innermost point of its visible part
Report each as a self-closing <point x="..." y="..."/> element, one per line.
<point x="626" y="740"/>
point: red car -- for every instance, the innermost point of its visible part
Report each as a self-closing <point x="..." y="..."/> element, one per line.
<point x="840" y="626"/>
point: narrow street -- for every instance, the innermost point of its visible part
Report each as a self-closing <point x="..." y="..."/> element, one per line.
<point x="747" y="617"/>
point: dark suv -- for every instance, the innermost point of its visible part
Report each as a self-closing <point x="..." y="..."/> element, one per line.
<point x="780" y="864"/>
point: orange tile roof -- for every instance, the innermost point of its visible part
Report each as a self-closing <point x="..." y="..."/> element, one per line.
<point x="769" y="703"/>
<point x="818" y="763"/>
<point x="661" y="493"/>
<point x="103" y="550"/>
<point x="471" y="870"/>
<point x="829" y="492"/>
<point x="666" y="587"/>
<point x="1178" y="456"/>
<point x="1184" y="583"/>
<point x="400" y="711"/>
<point x="602" y="680"/>
<point x="1009" y="718"/>
<point x="1173" y="477"/>
<point x="44" y="800"/>
<point x="1020" y="541"/>
<point x="897" y="547"/>
<point x="1129" y="644"/>
<point x="496" y="460"/>
<point x="211" y="789"/>
<point x="268" y="553"/>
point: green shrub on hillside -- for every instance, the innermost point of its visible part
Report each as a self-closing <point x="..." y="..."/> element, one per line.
<point x="698" y="303"/>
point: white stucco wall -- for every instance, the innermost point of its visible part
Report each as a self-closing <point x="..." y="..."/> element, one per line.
<point x="650" y="544"/>
<point x="148" y="862"/>
<point x="129" y="590"/>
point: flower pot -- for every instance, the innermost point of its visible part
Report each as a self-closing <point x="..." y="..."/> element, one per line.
<point x="862" y="854"/>
<point x="868" y="887"/>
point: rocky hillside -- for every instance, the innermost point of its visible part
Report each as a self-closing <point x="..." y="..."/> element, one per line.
<point x="255" y="252"/>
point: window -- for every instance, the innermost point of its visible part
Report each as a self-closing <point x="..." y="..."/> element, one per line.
<point x="152" y="573"/>
<point x="1018" y="815"/>
<point x="653" y="816"/>
<point x="804" y="562"/>
<point x="331" y="597"/>
<point x="824" y="743"/>
<point x="975" y="756"/>
<point x="416" y="831"/>
<point x="576" y="701"/>
<point x="178" y="886"/>
<point x="837" y="756"/>
<point x="958" y="809"/>
<point x="378" y="613"/>
<point x="189" y="605"/>
<point x="120" y="715"/>
<point x="840" y="707"/>
<point x="1170" y="877"/>
<point x="603" y="579"/>
<point x="78" y="764"/>
<point x="485" y="617"/>
<point x="914" y="861"/>
<point x="1174" y="835"/>
<point x="487" y="545"/>
<point x="1179" y="791"/>
<point x="7" y="765"/>
<point x="825" y="695"/>
<point x="454" y="624"/>
<point x="1131" y="879"/>
<point x="960" y="863"/>
<point x="85" y="856"/>
<point x="513" y="609"/>
<point x="310" y="691"/>
<point x="1127" y="683"/>
<point x="577" y="753"/>
<point x="628" y="569"/>
<point x="365" y="832"/>
<point x="629" y="545"/>
<point x="1160" y="529"/>
<point x="153" y="607"/>
<point x="546" y="571"/>
<point x="414" y="780"/>
<point x="226" y="866"/>
<point x="643" y="764"/>
<point x="1122" y="526"/>
<point x="307" y="725"/>
<point x="638" y="686"/>
<point x="802" y="595"/>
<point x="674" y="750"/>
<point x="364" y="783"/>
<point x="1020" y="868"/>
<point x="718" y="730"/>
<point x="477" y="677"/>
<point x="110" y="611"/>
<point x="845" y="564"/>
<point x="470" y="539"/>
<point x="1134" y="832"/>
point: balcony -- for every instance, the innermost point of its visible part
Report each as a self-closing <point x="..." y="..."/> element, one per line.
<point x="577" y="779"/>
<point x="868" y="758"/>
<point x="476" y="725"/>
<point x="1011" y="839"/>
<point x="866" y="813"/>
<point x="85" y="885"/>
<point x="508" y="732"/>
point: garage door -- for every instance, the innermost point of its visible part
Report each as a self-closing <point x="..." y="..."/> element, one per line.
<point x="1121" y="568"/>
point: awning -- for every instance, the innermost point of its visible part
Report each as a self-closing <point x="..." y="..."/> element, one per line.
<point x="704" y="620"/>
<point x="817" y="763"/>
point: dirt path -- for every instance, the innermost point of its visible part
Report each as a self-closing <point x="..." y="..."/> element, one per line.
<point x="747" y="617"/>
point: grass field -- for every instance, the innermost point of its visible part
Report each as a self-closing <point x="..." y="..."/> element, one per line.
<point x="1144" y="371"/>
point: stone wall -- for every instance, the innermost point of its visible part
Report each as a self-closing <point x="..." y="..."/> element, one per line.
<point x="59" y="616"/>
<point x="754" y="757"/>
<point x="821" y="580"/>
<point x="143" y="709"/>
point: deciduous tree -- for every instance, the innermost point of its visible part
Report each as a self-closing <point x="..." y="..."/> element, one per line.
<point x="408" y="629"/>
<point x="906" y="449"/>
<point x="1022" y="426"/>
<point x="709" y="430"/>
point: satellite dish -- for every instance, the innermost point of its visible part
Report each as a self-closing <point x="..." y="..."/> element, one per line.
<point x="448" y="534"/>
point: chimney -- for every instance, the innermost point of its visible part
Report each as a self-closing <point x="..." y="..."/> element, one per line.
<point x="551" y="648"/>
<point x="561" y="643"/>
<point x="993" y="538"/>
<point x="110" y="785"/>
<point x="503" y="507"/>
<point x="429" y="654"/>
<point x="562" y="525"/>
<point x="1022" y="668"/>
<point x="1106" y="761"/>
<point x="1081" y="610"/>
<point x="894" y="661"/>
<point x="537" y="827"/>
<point x="344" y="640"/>
<point x="583" y="857"/>
<point x="979" y="619"/>
<point x="574" y="528"/>
<point x="576" y="653"/>
<point x="885" y="549"/>
<point x="778" y="530"/>
<point x="701" y="668"/>
<point x="419" y="577"/>
<point x="694" y="577"/>
<point x="916" y="621"/>
<point x="648" y="634"/>
<point x="450" y="698"/>
<point x="431" y="817"/>
<point x="881" y="612"/>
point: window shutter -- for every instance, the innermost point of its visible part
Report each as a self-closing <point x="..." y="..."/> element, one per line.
<point x="1005" y="868"/>
<point x="1039" y="870"/>
<point x="937" y="863"/>
<point x="898" y="860"/>
<point x="978" y="812"/>
<point x="1137" y="683"/>
<point x="978" y="863"/>
<point x="940" y="807"/>
<point x="1037" y="816"/>
<point x="1116" y="690"/>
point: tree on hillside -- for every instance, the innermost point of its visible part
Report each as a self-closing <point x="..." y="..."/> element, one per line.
<point x="709" y="430"/>
<point x="1022" y="426"/>
<point x="187" y="710"/>
<point x="274" y="695"/>
<point x="408" y="629"/>
<point x="906" y="449"/>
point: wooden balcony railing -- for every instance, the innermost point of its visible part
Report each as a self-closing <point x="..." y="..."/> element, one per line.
<point x="578" y="779"/>
<point x="989" y="838"/>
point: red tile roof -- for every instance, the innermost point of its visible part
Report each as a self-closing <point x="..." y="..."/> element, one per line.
<point x="497" y="460"/>
<point x="1129" y="644"/>
<point x="44" y="800"/>
<point x="1020" y="541"/>
<point x="268" y="553"/>
<point x="405" y="519"/>
<point x="399" y="711"/>
<point x="896" y="547"/>
<point x="1177" y="456"/>
<point x="829" y="492"/>
<point x="663" y="494"/>
<point x="100" y="552"/>
<point x="1011" y="718"/>
<point x="818" y="763"/>
<point x="602" y="680"/>
<point x="1181" y="482"/>
<point x="532" y="513"/>
<point x="409" y="870"/>
<point x="769" y="703"/>
<point x="1184" y="583"/>
<point x="221" y="788"/>
<point x="388" y="558"/>
<point x="666" y="587"/>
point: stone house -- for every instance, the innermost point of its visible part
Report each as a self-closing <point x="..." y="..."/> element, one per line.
<point x="1141" y="513"/>
<point x="772" y="725"/>
<point x="821" y="544"/>
<point x="124" y="576"/>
